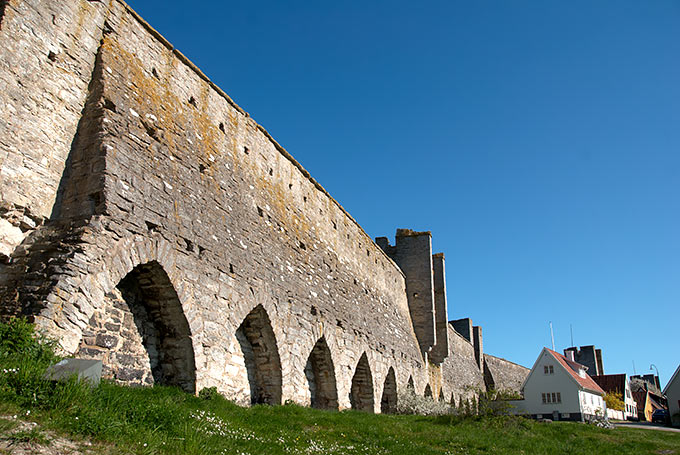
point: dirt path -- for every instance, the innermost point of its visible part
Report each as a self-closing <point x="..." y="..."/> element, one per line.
<point x="23" y="437"/>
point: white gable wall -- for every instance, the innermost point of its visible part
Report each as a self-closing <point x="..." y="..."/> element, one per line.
<point x="673" y="395"/>
<point x="574" y="401"/>
<point x="631" y="405"/>
<point x="538" y="382"/>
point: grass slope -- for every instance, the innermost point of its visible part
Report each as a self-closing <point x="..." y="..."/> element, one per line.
<point x="164" y="420"/>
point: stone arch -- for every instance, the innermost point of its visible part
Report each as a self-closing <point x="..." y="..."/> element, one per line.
<point x="320" y="373"/>
<point x="141" y="333"/>
<point x="442" y="398"/>
<point x="428" y="391"/>
<point x="388" y="402"/>
<point x="361" y="394"/>
<point x="261" y="355"/>
<point x="452" y="402"/>
<point x="410" y="385"/>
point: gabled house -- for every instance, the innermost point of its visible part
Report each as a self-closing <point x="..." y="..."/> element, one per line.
<point x="619" y="384"/>
<point x="672" y="392"/>
<point x="558" y="388"/>
<point x="648" y="395"/>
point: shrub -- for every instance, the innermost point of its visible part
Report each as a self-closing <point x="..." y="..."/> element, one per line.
<point x="208" y="393"/>
<point x="495" y="402"/>
<point x="18" y="338"/>
<point x="410" y="403"/>
<point x="25" y="355"/>
<point x="614" y="400"/>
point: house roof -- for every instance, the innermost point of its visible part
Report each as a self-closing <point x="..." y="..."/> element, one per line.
<point x="655" y="404"/>
<point x="675" y="376"/>
<point x="611" y="382"/>
<point x="572" y="368"/>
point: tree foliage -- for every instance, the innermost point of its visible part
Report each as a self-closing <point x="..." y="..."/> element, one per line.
<point x="615" y="401"/>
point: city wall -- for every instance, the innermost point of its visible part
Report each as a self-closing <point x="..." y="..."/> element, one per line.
<point x="148" y="221"/>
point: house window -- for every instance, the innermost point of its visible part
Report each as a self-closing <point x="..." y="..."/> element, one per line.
<point x="548" y="369"/>
<point x="552" y="371"/>
<point x="545" y="369"/>
<point x="551" y="397"/>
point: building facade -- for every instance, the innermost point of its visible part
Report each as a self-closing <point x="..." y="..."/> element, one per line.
<point x="558" y="388"/>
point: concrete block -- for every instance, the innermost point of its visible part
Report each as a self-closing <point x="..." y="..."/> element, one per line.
<point x="88" y="370"/>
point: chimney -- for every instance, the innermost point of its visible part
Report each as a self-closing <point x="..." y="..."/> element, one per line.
<point x="570" y="355"/>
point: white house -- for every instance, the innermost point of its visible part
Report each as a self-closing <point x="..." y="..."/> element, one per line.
<point x="672" y="392"/>
<point x="558" y="388"/>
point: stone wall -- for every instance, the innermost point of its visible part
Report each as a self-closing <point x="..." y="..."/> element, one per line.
<point x="148" y="221"/>
<point x="165" y="170"/>
<point x="46" y="60"/>
<point x="503" y="375"/>
<point x="461" y="378"/>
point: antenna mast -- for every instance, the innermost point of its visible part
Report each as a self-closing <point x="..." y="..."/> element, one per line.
<point x="571" y="330"/>
<point x="552" y="336"/>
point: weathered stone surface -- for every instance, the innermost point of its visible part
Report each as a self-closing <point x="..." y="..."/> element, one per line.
<point x="46" y="60"/>
<point x="165" y="233"/>
<point x="461" y="378"/>
<point x="503" y="375"/>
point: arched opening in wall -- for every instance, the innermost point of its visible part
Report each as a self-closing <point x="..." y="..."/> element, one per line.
<point x="409" y="385"/>
<point x="141" y="332"/>
<point x="261" y="355"/>
<point x="361" y="394"/>
<point x="441" y="395"/>
<point x="428" y="391"/>
<point x="320" y="374"/>
<point x="388" y="402"/>
<point x="453" y="401"/>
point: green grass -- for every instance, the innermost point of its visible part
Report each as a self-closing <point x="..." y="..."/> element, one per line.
<point x="164" y="420"/>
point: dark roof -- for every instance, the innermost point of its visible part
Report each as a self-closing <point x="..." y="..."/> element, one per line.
<point x="655" y="404"/>
<point x="572" y="368"/>
<point x="611" y="382"/>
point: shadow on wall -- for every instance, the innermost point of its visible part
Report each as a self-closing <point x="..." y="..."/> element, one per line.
<point x="361" y="395"/>
<point x="428" y="391"/>
<point x="388" y="402"/>
<point x="3" y="4"/>
<point x="320" y="374"/>
<point x="261" y="355"/>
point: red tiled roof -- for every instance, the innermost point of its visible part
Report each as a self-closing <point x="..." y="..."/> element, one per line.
<point x="572" y="368"/>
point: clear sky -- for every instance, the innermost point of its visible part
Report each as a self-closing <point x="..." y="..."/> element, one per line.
<point x="538" y="140"/>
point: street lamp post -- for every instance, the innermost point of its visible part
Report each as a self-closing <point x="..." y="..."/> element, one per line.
<point x="657" y="373"/>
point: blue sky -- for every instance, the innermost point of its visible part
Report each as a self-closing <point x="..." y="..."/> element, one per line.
<point x="539" y="141"/>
